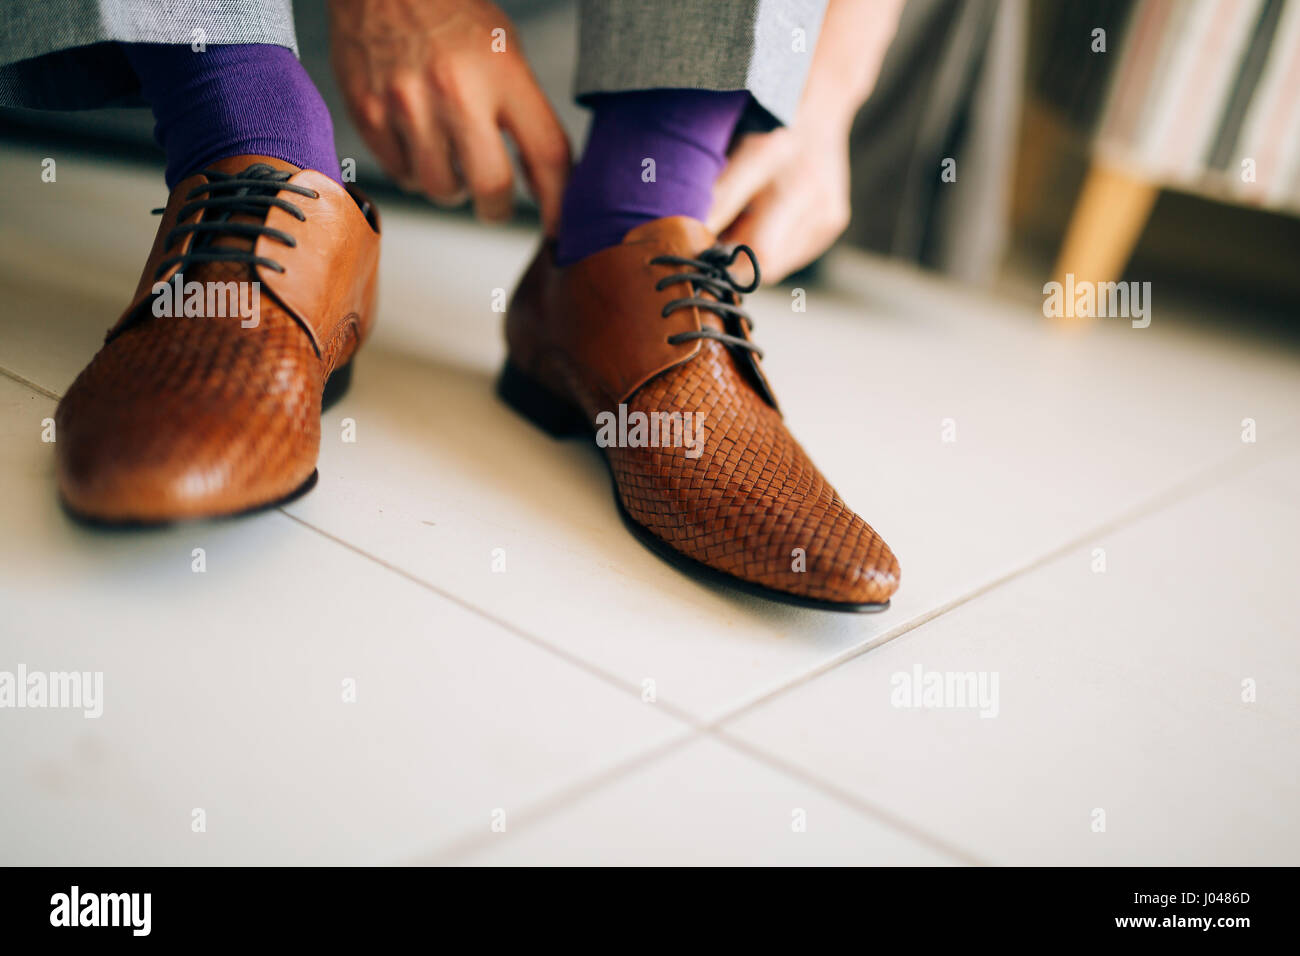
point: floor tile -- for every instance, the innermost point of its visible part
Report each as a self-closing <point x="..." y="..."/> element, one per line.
<point x="225" y="690"/>
<point x="1120" y="691"/>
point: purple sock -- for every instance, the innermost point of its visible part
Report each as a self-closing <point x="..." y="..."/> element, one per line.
<point x="685" y="132"/>
<point x="228" y="100"/>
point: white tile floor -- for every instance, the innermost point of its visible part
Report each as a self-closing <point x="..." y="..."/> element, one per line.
<point x="520" y="696"/>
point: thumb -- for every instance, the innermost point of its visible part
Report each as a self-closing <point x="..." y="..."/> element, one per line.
<point x="772" y="229"/>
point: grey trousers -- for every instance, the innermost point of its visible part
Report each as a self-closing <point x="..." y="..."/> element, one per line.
<point x="60" y="54"/>
<point x="764" y="46"/>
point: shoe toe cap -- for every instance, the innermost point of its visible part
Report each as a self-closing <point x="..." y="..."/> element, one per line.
<point x="138" y="461"/>
<point x="862" y="570"/>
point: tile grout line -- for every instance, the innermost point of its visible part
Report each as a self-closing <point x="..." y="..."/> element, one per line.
<point x="546" y="805"/>
<point x="695" y="730"/>
<point x="1207" y="478"/>
<point x="537" y="811"/>
<point x="713" y="728"/>
<point x="536" y="641"/>
<point x="39" y="389"/>
<point x="848" y="798"/>
<point x="459" y="849"/>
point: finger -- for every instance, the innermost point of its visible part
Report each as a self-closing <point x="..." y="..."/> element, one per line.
<point x="380" y="135"/>
<point x="427" y="148"/>
<point x="543" y="150"/>
<point x="771" y="228"/>
<point x="780" y="239"/>
<point x="485" y="165"/>
<point x="752" y="165"/>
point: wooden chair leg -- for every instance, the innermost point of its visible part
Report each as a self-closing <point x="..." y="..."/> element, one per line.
<point x="1108" y="219"/>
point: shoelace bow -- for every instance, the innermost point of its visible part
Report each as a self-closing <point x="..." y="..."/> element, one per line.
<point x="254" y="192"/>
<point x="710" y="275"/>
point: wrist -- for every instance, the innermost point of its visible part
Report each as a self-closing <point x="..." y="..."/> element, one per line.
<point x="827" y="121"/>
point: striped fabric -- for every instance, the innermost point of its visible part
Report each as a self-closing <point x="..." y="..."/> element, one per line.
<point x="1206" y="96"/>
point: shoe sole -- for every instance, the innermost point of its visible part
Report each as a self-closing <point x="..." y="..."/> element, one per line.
<point x="561" y="420"/>
<point x="336" y="386"/>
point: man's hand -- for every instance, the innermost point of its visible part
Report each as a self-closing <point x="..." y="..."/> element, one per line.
<point x="786" y="193"/>
<point x="432" y="85"/>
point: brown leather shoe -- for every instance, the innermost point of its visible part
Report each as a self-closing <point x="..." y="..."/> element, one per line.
<point x="200" y="404"/>
<point x="653" y="325"/>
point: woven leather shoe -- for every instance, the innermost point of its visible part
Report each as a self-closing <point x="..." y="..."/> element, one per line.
<point x="653" y="326"/>
<point x="206" y="397"/>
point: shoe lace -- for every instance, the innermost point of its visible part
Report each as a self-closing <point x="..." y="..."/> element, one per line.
<point x="252" y="192"/>
<point x="709" y="274"/>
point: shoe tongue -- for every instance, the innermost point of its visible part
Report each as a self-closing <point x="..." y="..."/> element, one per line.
<point x="679" y="235"/>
